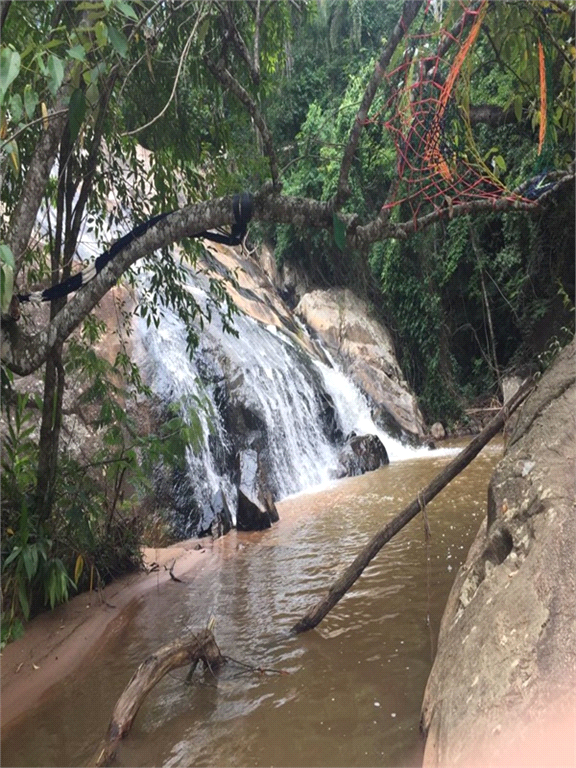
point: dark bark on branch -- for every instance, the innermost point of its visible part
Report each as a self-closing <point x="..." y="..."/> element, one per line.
<point x="228" y="81"/>
<point x="4" y="8"/>
<point x="24" y="353"/>
<point x="50" y="428"/>
<point x="343" y="583"/>
<point x="201" y="647"/>
<point x="409" y="12"/>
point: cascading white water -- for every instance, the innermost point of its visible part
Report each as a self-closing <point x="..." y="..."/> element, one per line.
<point x="354" y="410"/>
<point x="274" y="389"/>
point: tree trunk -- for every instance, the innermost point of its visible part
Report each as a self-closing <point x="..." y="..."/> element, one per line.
<point x="355" y="569"/>
<point x="200" y="647"/>
<point x="50" y="432"/>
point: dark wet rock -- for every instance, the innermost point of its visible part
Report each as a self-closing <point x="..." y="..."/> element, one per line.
<point x="362" y="453"/>
<point x="223" y="521"/>
<point x="250" y="516"/>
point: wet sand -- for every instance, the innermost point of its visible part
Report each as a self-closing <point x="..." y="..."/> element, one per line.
<point x="57" y="642"/>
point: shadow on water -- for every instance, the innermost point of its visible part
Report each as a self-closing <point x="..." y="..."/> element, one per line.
<point x="355" y="684"/>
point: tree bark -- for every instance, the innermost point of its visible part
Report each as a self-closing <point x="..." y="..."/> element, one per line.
<point x="23" y="353"/>
<point x="54" y="385"/>
<point x="200" y="647"/>
<point x="347" y="578"/>
<point x="409" y="12"/>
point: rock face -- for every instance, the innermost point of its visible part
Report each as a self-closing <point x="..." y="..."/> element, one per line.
<point x="506" y="662"/>
<point x="365" y="348"/>
<point x="362" y="453"/>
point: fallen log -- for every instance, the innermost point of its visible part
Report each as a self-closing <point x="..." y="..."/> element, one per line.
<point x="347" y="578"/>
<point x="200" y="647"/>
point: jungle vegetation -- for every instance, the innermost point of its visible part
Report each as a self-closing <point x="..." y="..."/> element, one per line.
<point x="289" y="100"/>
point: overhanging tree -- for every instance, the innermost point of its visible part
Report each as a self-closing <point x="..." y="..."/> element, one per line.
<point x="70" y="125"/>
<point x="23" y="353"/>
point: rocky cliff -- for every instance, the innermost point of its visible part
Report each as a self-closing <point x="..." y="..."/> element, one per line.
<point x="504" y="676"/>
<point x="364" y="347"/>
<point x="342" y="323"/>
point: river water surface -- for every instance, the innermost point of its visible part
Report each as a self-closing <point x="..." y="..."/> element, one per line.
<point x="354" y="686"/>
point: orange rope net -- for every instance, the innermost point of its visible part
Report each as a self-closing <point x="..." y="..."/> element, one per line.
<point x="427" y="115"/>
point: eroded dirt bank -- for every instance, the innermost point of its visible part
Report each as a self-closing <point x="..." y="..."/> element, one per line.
<point x="57" y="642"/>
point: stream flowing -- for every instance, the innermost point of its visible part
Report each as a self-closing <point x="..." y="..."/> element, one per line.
<point x="354" y="686"/>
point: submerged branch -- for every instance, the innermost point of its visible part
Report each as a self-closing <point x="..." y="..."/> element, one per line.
<point x="343" y="583"/>
<point x="200" y="647"/>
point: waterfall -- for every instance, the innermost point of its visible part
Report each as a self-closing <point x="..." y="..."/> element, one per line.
<point x="272" y="416"/>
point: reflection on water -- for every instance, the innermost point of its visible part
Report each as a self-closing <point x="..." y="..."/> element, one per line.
<point x="355" y="684"/>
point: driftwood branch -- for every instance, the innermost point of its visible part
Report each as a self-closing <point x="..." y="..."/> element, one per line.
<point x="200" y="647"/>
<point x="355" y="569"/>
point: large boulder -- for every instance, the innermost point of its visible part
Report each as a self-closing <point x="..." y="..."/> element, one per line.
<point x="362" y="453"/>
<point x="365" y="349"/>
<point x="251" y="516"/>
<point x="505" y="670"/>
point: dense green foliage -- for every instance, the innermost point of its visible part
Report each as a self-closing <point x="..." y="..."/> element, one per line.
<point x="513" y="271"/>
<point x="466" y="299"/>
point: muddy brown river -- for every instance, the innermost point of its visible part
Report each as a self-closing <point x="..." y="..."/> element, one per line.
<point x="354" y="686"/>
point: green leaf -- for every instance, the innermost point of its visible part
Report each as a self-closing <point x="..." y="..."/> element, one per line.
<point x="16" y="107"/>
<point x="9" y="68"/>
<point x="127" y="10"/>
<point x="6" y="256"/>
<point x="23" y="597"/>
<point x="77" y="52"/>
<point x="30" y="101"/>
<point x="55" y="69"/>
<point x="339" y="232"/>
<point x="30" y="558"/>
<point x="118" y="41"/>
<point x="77" y="112"/>
<point x="6" y="277"/>
<point x="101" y="31"/>
<point x="90" y="6"/>
<point x="12" y="556"/>
<point x="500" y="163"/>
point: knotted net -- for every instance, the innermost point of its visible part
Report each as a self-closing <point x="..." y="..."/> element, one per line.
<point x="428" y="116"/>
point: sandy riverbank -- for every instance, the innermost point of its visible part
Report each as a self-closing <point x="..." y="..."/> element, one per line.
<point x="57" y="642"/>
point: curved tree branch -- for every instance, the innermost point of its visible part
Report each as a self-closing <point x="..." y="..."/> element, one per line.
<point x="380" y="228"/>
<point x="24" y="353"/>
<point x="228" y="81"/>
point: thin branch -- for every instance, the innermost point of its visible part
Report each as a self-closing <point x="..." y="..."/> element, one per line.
<point x="24" y="353"/>
<point x="24" y="128"/>
<point x="409" y="12"/>
<point x="183" y="56"/>
<point x="228" y="81"/>
<point x="252" y="62"/>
